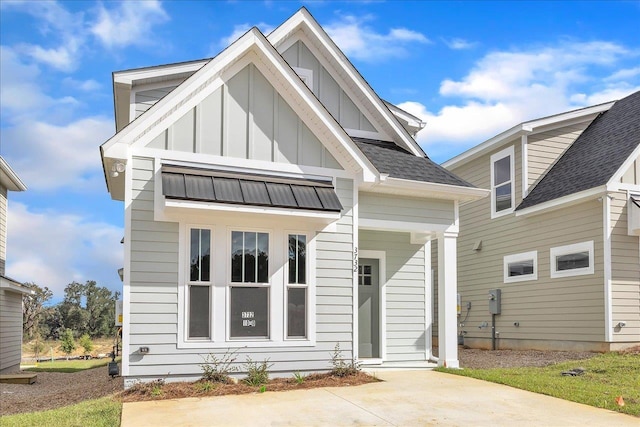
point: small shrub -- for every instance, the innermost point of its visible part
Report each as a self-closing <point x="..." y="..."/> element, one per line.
<point x="298" y="377"/>
<point x="205" y="386"/>
<point x="342" y="368"/>
<point x="156" y="388"/>
<point x="86" y="343"/>
<point x="257" y="373"/>
<point x="218" y="370"/>
<point x="68" y="344"/>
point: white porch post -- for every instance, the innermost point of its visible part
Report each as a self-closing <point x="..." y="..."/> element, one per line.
<point x="447" y="300"/>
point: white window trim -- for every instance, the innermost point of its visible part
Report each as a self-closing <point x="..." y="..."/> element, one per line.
<point x="509" y="151"/>
<point x="381" y="256"/>
<point x="525" y="256"/>
<point x="287" y="285"/>
<point x="185" y="267"/>
<point x="569" y="249"/>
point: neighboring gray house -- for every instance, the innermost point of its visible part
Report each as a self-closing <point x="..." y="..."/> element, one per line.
<point x="275" y="205"/>
<point x="559" y="235"/>
<point x="11" y="292"/>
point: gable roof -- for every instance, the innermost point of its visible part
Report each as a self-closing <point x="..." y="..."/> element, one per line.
<point x="595" y="156"/>
<point x="396" y="162"/>
<point x="8" y="178"/>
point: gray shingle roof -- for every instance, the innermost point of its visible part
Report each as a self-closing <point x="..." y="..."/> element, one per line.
<point x="388" y="158"/>
<point x="595" y="155"/>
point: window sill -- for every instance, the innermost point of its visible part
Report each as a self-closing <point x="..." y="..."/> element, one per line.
<point x="523" y="278"/>
<point x="245" y="344"/>
<point x="571" y="273"/>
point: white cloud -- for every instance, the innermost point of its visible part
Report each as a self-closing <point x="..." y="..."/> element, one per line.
<point x="459" y="44"/>
<point x="84" y="85"/>
<point x="53" y="249"/>
<point x="48" y="156"/>
<point x="626" y="73"/>
<point x="359" y="41"/>
<point x="506" y="88"/>
<point x="128" y="24"/>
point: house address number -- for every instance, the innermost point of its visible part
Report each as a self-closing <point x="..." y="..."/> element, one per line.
<point x="248" y="319"/>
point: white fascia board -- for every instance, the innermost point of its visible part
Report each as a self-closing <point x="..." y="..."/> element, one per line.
<point x="149" y="73"/>
<point x="222" y="207"/>
<point x="303" y="17"/>
<point x="563" y="202"/>
<point x="542" y="124"/>
<point x="9" y="178"/>
<point x="411" y="120"/>
<point x="429" y="189"/>
<point x="614" y="182"/>
<point x="12" y="285"/>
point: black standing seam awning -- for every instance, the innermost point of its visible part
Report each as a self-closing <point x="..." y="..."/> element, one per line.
<point x="183" y="183"/>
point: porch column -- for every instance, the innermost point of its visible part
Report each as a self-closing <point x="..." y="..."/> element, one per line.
<point x="447" y="300"/>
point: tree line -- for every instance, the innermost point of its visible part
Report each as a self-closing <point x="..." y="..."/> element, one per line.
<point x="87" y="309"/>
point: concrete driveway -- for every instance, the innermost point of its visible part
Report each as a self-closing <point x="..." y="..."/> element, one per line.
<point x="405" y="398"/>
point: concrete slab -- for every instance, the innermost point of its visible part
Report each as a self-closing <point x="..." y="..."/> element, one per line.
<point x="405" y="398"/>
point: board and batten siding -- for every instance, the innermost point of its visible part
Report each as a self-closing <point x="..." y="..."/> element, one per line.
<point x="625" y="272"/>
<point x="378" y="206"/>
<point x="3" y="228"/>
<point x="545" y="148"/>
<point x="246" y="118"/>
<point x="553" y="310"/>
<point x="335" y="100"/>
<point x="405" y="293"/>
<point x="154" y="294"/>
<point x="10" y="330"/>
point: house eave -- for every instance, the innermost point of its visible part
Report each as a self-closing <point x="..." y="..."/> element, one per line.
<point x="12" y="285"/>
<point x="427" y="189"/>
<point x="563" y="202"/>
<point x="9" y="178"/>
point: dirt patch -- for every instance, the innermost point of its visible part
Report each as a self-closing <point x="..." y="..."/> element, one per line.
<point x="55" y="389"/>
<point x="177" y="390"/>
<point x="486" y="359"/>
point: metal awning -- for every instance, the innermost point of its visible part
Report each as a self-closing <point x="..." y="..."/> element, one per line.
<point x="204" y="185"/>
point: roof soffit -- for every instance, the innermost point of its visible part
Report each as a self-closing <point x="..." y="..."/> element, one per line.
<point x="250" y="48"/>
<point x="303" y="26"/>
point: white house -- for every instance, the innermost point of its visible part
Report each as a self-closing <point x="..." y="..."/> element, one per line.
<point x="11" y="292"/>
<point x="276" y="206"/>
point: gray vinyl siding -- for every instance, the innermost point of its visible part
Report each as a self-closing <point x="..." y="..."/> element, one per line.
<point x="145" y="99"/>
<point x="154" y="294"/>
<point x="405" y="293"/>
<point x="10" y="330"/>
<point x="545" y="148"/>
<point x="625" y="272"/>
<point x="564" y="309"/>
<point x="378" y="206"/>
<point x="337" y="102"/>
<point x="246" y="118"/>
<point x="3" y="228"/>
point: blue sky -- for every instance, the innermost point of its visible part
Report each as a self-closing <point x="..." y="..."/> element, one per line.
<point x="470" y="69"/>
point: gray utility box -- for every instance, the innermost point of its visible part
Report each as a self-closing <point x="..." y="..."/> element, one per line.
<point x="495" y="297"/>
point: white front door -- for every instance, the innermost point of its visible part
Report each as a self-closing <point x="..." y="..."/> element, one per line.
<point x="368" y="308"/>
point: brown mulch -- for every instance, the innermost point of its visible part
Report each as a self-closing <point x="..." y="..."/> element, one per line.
<point x="53" y="390"/>
<point x="178" y="390"/>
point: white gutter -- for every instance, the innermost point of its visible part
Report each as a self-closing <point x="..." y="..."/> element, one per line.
<point x="432" y="189"/>
<point x="562" y="202"/>
<point x="9" y="178"/>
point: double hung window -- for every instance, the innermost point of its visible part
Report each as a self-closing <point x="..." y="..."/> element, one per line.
<point x="249" y="291"/>
<point x="199" y="284"/>
<point x="297" y="286"/>
<point x="502" y="182"/>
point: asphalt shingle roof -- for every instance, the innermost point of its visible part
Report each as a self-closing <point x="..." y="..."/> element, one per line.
<point x="388" y="158"/>
<point x="595" y="155"/>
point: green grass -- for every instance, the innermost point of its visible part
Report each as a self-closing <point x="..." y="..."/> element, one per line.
<point x="607" y="376"/>
<point x="104" y="412"/>
<point x="69" y="366"/>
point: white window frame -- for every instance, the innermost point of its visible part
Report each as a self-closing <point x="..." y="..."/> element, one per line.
<point x="287" y="285"/>
<point x="231" y="284"/>
<point x="507" y="152"/>
<point x="188" y="282"/>
<point x="524" y="256"/>
<point x="569" y="249"/>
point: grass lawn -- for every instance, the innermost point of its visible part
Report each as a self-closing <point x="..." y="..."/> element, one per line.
<point x="69" y="366"/>
<point x="607" y="376"/>
<point x="104" y="412"/>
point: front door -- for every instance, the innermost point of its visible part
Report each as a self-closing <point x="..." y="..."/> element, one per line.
<point x="368" y="308"/>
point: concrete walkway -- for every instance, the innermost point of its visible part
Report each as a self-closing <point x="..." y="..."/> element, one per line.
<point x="405" y="398"/>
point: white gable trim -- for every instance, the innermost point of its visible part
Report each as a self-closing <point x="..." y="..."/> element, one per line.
<point x="562" y="202"/>
<point x="303" y="20"/>
<point x="9" y="178"/>
<point x="614" y="183"/>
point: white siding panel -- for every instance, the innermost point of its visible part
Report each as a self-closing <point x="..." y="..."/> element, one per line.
<point x="405" y="209"/>
<point x="10" y="330"/>
<point x="210" y="123"/>
<point x="237" y="115"/>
